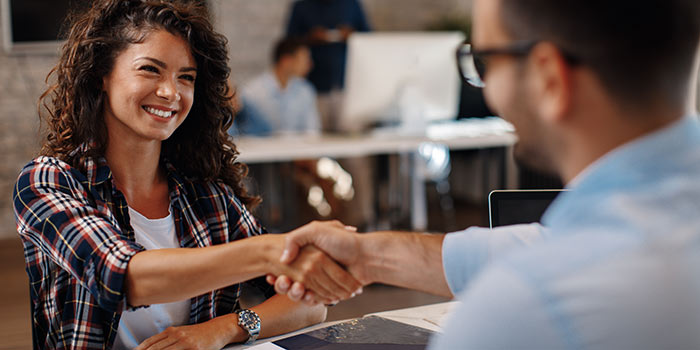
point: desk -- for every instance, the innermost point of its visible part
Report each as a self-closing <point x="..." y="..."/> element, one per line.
<point x="430" y="317"/>
<point x="288" y="148"/>
<point x="459" y="135"/>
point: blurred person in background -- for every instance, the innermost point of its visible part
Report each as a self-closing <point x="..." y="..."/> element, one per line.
<point x="326" y="25"/>
<point x="281" y="99"/>
<point x="279" y="102"/>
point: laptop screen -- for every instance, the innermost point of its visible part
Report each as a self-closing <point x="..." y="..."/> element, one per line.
<point x="510" y="207"/>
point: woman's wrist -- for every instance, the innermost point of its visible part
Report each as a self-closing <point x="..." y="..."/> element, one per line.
<point x="230" y="330"/>
<point x="271" y="250"/>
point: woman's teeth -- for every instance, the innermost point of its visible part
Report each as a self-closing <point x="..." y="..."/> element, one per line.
<point x="158" y="112"/>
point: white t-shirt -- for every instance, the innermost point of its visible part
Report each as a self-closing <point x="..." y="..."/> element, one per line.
<point x="138" y="325"/>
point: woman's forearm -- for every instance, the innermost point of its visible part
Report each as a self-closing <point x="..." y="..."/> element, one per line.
<point x="278" y="315"/>
<point x="168" y="275"/>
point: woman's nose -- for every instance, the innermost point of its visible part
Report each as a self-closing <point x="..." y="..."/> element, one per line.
<point x="168" y="90"/>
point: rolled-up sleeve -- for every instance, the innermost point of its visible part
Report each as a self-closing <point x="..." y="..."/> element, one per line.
<point x="466" y="253"/>
<point x="56" y="214"/>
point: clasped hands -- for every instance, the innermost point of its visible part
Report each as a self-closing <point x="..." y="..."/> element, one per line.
<point x="323" y="263"/>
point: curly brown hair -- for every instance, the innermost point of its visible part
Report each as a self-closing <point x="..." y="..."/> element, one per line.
<point x="72" y="107"/>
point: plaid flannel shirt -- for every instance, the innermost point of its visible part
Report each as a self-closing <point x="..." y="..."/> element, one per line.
<point x="78" y="241"/>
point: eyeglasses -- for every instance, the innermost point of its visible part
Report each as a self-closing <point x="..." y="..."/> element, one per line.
<point x="472" y="63"/>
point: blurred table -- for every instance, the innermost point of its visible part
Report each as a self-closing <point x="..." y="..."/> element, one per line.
<point x="465" y="134"/>
<point x="458" y="135"/>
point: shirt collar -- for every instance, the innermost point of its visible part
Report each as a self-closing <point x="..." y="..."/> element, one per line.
<point x="96" y="169"/>
<point x="176" y="183"/>
<point x="628" y="166"/>
<point x="275" y="84"/>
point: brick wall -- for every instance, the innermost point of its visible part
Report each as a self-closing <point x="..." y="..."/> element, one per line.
<point x="251" y="26"/>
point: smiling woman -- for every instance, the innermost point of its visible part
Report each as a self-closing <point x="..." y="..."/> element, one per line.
<point x="136" y="166"/>
<point x="74" y="105"/>
<point x="149" y="90"/>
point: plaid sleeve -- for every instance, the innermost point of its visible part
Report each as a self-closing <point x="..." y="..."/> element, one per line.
<point x="56" y="213"/>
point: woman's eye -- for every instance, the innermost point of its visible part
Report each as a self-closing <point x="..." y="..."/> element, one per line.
<point x="149" y="68"/>
<point x="187" y="77"/>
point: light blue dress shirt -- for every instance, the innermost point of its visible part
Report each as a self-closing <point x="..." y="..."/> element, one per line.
<point x="289" y="110"/>
<point x="616" y="265"/>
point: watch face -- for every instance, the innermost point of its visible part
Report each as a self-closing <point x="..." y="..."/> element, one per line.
<point x="248" y="319"/>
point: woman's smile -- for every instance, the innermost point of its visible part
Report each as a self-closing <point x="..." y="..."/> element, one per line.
<point x="160" y="112"/>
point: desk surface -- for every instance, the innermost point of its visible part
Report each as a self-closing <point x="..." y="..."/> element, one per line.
<point x="470" y="134"/>
<point x="430" y="317"/>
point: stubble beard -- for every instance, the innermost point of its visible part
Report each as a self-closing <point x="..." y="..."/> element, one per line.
<point x="533" y="149"/>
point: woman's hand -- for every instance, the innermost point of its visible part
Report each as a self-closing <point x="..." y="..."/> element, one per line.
<point x="211" y="335"/>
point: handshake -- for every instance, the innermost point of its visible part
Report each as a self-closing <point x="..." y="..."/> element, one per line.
<point x="321" y="262"/>
<point x="326" y="262"/>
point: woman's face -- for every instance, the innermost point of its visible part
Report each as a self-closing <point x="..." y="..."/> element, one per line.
<point x="150" y="88"/>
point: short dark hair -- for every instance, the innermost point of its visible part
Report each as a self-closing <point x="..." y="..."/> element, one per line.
<point x="287" y="46"/>
<point x="639" y="49"/>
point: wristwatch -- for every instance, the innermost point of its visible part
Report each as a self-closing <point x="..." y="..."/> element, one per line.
<point x="250" y="321"/>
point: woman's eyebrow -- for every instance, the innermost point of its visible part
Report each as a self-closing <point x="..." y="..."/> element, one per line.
<point x="164" y="65"/>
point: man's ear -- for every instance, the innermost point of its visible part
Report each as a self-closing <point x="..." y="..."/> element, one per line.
<point x="551" y="82"/>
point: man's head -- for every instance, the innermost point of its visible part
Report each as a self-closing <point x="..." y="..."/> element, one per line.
<point x="292" y="56"/>
<point x="587" y="59"/>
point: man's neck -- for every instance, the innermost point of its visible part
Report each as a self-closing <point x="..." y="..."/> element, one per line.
<point x="595" y="141"/>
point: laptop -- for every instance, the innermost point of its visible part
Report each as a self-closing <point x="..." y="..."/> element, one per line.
<point x="510" y="207"/>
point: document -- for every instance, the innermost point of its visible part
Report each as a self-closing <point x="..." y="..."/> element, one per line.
<point x="370" y="332"/>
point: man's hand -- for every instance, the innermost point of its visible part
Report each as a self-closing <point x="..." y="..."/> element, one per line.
<point x="213" y="334"/>
<point x="313" y="269"/>
<point x="340" y="242"/>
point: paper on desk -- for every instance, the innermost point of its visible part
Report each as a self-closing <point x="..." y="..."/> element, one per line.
<point x="266" y="346"/>
<point x="430" y="317"/>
